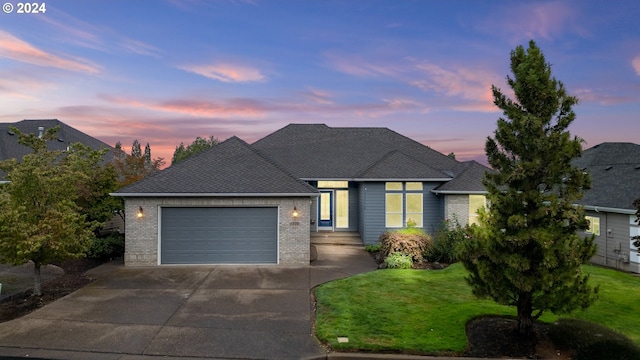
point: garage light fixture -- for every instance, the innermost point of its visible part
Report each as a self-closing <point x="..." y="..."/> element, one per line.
<point x="295" y="213"/>
<point x="140" y="212"/>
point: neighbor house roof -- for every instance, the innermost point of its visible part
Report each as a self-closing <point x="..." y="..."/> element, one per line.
<point x="231" y="168"/>
<point x="317" y="151"/>
<point x="615" y="176"/>
<point x="11" y="149"/>
<point x="467" y="179"/>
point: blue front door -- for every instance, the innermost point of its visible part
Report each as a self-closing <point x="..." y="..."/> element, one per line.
<point x="325" y="210"/>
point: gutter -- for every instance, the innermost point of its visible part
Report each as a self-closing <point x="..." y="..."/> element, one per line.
<point x="377" y="180"/>
<point x="403" y="179"/>
<point x="609" y="209"/>
<point x="215" y="194"/>
<point x="458" y="192"/>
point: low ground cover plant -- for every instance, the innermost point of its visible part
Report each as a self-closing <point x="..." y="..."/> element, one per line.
<point x="398" y="260"/>
<point x="426" y="312"/>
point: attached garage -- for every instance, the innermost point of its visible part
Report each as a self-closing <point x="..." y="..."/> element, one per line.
<point x="226" y="205"/>
<point x="219" y="235"/>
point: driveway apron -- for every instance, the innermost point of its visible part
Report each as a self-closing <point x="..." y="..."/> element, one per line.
<point x="222" y="312"/>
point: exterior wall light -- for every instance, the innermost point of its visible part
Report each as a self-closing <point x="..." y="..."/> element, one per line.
<point x="140" y="213"/>
<point x="295" y="213"/>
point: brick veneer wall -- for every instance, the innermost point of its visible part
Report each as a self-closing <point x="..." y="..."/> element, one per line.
<point x="142" y="235"/>
<point x="457" y="207"/>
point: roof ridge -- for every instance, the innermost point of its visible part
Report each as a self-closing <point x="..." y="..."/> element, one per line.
<point x="375" y="163"/>
<point x="274" y="163"/>
<point x="426" y="146"/>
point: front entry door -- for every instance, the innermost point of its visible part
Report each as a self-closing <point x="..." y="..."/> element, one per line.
<point x="325" y="210"/>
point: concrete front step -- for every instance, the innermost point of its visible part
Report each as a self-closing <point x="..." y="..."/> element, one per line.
<point x="336" y="238"/>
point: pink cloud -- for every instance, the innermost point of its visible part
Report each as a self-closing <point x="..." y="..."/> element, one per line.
<point x="636" y="64"/>
<point x="318" y="96"/>
<point x="15" y="49"/>
<point x="226" y="72"/>
<point x="74" y="31"/>
<point x="473" y="85"/>
<point x="194" y="107"/>
<point x="533" y="20"/>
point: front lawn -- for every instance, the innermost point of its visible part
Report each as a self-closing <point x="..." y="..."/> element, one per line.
<point x="425" y="311"/>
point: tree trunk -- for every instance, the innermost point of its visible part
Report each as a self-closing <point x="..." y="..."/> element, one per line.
<point x="525" y="308"/>
<point x="37" y="279"/>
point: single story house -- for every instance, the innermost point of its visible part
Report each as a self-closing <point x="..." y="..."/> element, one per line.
<point x="615" y="185"/>
<point x="240" y="203"/>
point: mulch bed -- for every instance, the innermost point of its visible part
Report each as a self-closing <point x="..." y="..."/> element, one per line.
<point x="74" y="278"/>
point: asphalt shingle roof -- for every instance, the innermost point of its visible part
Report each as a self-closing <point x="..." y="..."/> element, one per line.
<point x="231" y="167"/>
<point x="10" y="149"/>
<point x="318" y="151"/>
<point x="467" y="179"/>
<point x="615" y="175"/>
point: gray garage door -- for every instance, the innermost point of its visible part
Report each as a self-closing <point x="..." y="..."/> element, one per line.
<point x="219" y="235"/>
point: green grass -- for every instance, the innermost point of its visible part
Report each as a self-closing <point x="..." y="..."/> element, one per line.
<point x="426" y="311"/>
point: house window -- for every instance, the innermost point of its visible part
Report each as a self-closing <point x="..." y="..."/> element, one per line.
<point x="332" y="184"/>
<point x="476" y="202"/>
<point x="342" y="208"/>
<point x="393" y="186"/>
<point x="325" y="206"/>
<point x="594" y="225"/>
<point x="404" y="204"/>
<point x="394" y="210"/>
<point x="414" y="209"/>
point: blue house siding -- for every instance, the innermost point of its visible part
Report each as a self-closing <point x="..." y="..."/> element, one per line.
<point x="372" y="210"/>
<point x="432" y="207"/>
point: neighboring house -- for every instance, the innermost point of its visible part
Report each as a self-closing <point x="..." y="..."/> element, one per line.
<point x="11" y="149"/>
<point x="615" y="185"/>
<point x="258" y="203"/>
<point x="67" y="135"/>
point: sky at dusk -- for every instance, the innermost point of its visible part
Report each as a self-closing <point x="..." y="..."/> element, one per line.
<point x="165" y="72"/>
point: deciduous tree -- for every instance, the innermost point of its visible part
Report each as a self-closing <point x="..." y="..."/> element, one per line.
<point x="131" y="168"/>
<point x="39" y="218"/>
<point x="526" y="252"/>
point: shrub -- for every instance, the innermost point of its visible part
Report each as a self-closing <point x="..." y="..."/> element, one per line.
<point x="446" y="242"/>
<point x="372" y="248"/>
<point x="398" y="260"/>
<point x="105" y="248"/>
<point x="413" y="242"/>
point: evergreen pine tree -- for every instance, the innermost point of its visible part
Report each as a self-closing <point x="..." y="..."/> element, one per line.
<point x="526" y="252"/>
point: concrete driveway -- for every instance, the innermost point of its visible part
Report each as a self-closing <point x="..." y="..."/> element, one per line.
<point x="221" y="312"/>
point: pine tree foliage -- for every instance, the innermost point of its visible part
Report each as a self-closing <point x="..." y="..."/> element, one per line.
<point x="197" y="146"/>
<point x="526" y="252"/>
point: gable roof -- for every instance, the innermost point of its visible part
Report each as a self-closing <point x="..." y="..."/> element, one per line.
<point x="11" y="149"/>
<point x="615" y="175"/>
<point x="317" y="151"/>
<point x="467" y="180"/>
<point x="231" y="168"/>
<point x="397" y="166"/>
